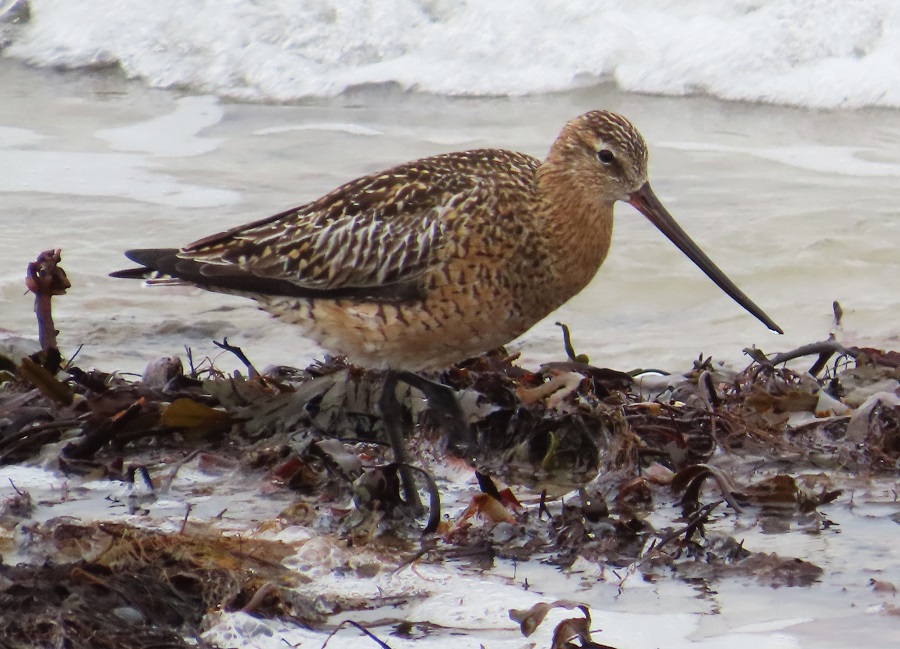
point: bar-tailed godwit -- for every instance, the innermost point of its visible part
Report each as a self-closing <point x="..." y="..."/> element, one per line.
<point x="440" y="259"/>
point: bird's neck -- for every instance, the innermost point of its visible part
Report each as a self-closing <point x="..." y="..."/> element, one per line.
<point x="581" y="232"/>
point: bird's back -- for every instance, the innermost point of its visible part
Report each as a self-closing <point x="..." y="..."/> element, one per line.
<point x="422" y="251"/>
<point x="375" y="233"/>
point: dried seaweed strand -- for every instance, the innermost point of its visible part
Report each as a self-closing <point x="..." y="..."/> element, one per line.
<point x="45" y="278"/>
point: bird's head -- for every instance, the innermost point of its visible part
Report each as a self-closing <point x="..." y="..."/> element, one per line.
<point x="601" y="157"/>
<point x="603" y="153"/>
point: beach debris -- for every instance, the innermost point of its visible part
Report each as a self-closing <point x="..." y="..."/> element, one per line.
<point x="111" y="585"/>
<point x="487" y="508"/>
<point x="570" y="349"/>
<point x="237" y="351"/>
<point x="530" y="619"/>
<point x="883" y="587"/>
<point x="46" y="279"/>
<point x="635" y="471"/>
<point x="566" y="632"/>
<point x="187" y="413"/>
<point x="379" y="489"/>
<point x="15" y="507"/>
<point x="46" y="382"/>
<point x="381" y="643"/>
<point x="158" y="373"/>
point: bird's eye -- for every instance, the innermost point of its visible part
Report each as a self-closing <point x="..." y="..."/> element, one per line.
<point x="605" y="156"/>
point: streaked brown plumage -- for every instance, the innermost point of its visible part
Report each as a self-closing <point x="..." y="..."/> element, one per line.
<point x="443" y="258"/>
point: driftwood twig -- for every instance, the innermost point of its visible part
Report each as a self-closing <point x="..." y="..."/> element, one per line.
<point x="825" y="349"/>
<point x="237" y="351"/>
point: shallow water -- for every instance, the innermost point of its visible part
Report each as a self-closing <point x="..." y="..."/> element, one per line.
<point x="796" y="206"/>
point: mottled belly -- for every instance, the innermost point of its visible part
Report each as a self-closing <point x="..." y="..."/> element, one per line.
<point x="446" y="327"/>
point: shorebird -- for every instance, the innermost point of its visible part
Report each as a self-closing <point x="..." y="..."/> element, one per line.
<point x="440" y="259"/>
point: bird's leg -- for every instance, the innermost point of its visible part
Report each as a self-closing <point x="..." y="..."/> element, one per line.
<point x="460" y="439"/>
<point x="392" y="415"/>
<point x="444" y="403"/>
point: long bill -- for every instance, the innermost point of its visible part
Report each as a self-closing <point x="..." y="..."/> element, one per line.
<point x="648" y="204"/>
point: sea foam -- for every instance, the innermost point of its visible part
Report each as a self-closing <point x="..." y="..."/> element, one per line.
<point x="814" y="53"/>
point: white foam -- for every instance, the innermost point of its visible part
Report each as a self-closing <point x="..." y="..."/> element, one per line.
<point x="817" y="53"/>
